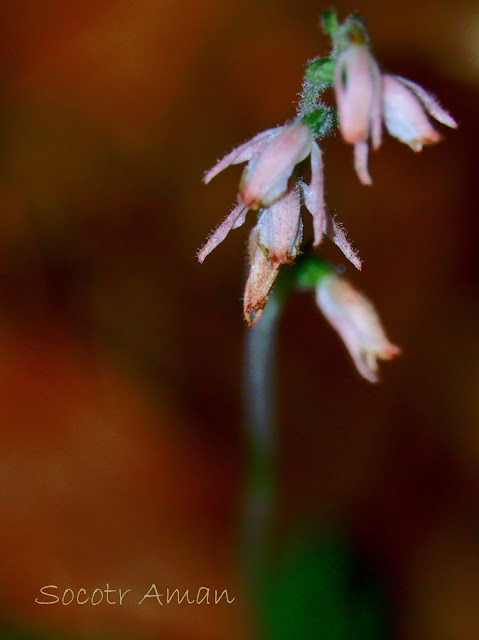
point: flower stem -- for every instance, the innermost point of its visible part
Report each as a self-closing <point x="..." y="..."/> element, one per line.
<point x="261" y="439"/>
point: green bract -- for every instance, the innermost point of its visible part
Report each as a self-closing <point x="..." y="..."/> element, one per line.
<point x="320" y="71"/>
<point x="319" y="120"/>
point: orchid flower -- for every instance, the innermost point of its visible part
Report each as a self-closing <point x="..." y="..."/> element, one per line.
<point x="272" y="156"/>
<point x="405" y="104"/>
<point x="365" y="98"/>
<point x="272" y="182"/>
<point x="356" y="321"/>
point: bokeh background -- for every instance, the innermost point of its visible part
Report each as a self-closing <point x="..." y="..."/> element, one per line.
<point x="121" y="456"/>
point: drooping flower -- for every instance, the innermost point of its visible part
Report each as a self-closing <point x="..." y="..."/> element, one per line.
<point x="272" y="156"/>
<point x="357" y="85"/>
<point x="356" y="321"/>
<point x="365" y="97"/>
<point x="404" y="109"/>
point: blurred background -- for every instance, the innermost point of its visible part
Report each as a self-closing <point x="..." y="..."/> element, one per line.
<point x="121" y="454"/>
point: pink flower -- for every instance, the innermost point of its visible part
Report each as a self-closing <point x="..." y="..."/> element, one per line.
<point x="357" y="85"/>
<point x="405" y="104"/>
<point x="365" y="97"/>
<point x="356" y="321"/>
<point x="272" y="156"/>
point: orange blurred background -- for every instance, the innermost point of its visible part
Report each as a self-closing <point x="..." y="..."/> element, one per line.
<point x="120" y="360"/>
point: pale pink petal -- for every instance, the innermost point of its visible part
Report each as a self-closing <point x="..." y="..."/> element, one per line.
<point x="404" y="115"/>
<point x="430" y="102"/>
<point x="335" y="233"/>
<point x="266" y="176"/>
<point x="243" y="153"/>
<point x="356" y="85"/>
<point x="235" y="219"/>
<point x="361" y="162"/>
<point x="280" y="228"/>
<point x="314" y="194"/>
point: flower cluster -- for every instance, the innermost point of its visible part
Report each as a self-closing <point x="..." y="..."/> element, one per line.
<point x="266" y="186"/>
<point x="272" y="182"/>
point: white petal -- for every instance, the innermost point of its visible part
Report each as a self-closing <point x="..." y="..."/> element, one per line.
<point x="243" y="153"/>
<point x="232" y="221"/>
<point x="430" y="102"/>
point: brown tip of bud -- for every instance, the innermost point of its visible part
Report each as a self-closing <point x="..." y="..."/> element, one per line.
<point x="253" y="315"/>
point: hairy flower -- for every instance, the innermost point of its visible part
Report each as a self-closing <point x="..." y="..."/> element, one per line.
<point x="356" y="321"/>
<point x="365" y="97"/>
<point x="405" y="104"/>
<point x="272" y="156"/>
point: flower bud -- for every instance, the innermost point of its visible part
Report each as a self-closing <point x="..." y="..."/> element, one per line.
<point x="274" y="241"/>
<point x="262" y="274"/>
<point x="281" y="229"/>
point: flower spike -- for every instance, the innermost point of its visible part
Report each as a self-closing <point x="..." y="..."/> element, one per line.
<point x="272" y="182"/>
